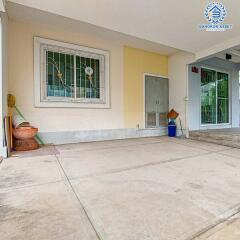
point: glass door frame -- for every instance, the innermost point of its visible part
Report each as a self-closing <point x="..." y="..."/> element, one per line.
<point x="145" y="74"/>
<point x="229" y="98"/>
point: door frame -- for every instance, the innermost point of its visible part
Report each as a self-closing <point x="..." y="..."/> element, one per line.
<point x="144" y="97"/>
<point x="218" y="125"/>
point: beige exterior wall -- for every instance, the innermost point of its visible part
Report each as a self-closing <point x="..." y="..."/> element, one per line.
<point x="127" y="66"/>
<point x="21" y="80"/>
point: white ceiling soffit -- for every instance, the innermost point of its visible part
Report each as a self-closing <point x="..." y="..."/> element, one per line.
<point x="35" y="16"/>
<point x="2" y="5"/>
<point x="172" y="23"/>
<point x="212" y="50"/>
<point x="235" y="58"/>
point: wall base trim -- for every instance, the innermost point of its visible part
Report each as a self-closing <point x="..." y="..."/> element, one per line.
<point x="65" y="137"/>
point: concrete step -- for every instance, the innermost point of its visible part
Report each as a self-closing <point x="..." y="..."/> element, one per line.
<point x="219" y="137"/>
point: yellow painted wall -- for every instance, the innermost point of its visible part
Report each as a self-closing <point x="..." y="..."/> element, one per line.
<point x="136" y="63"/>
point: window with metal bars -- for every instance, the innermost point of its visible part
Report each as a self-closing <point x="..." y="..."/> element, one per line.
<point x="70" y="74"/>
<point x="61" y="69"/>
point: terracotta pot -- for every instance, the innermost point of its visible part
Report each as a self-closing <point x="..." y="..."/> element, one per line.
<point x="25" y="144"/>
<point x="24" y="132"/>
<point x="19" y="121"/>
<point x="172" y="114"/>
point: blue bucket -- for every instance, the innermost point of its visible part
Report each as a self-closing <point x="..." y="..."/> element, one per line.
<point x="172" y="129"/>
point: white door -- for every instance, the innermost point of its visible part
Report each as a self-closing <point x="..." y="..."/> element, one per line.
<point x="156" y="101"/>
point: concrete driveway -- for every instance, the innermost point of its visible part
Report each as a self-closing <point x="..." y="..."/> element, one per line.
<point x="138" y="189"/>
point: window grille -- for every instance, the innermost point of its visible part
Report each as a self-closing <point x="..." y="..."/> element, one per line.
<point x="71" y="74"/>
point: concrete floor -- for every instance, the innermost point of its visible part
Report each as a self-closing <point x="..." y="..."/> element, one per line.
<point x="138" y="189"/>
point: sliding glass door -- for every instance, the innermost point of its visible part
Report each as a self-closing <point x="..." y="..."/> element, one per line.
<point x="214" y="97"/>
<point x="222" y="98"/>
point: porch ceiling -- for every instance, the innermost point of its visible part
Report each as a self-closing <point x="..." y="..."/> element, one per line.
<point x="26" y="14"/>
<point x="172" y="23"/>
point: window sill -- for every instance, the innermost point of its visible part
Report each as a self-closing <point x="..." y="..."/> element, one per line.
<point x="50" y="104"/>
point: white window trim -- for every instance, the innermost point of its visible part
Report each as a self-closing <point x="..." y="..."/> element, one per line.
<point x="57" y="102"/>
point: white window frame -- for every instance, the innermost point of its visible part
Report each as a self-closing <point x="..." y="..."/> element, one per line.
<point x="41" y="99"/>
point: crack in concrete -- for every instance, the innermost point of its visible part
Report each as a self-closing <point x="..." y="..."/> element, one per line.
<point x="114" y="147"/>
<point x="98" y="235"/>
<point x="148" y="143"/>
<point x="202" y="148"/>
<point x="143" y="165"/>
<point x="8" y="189"/>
